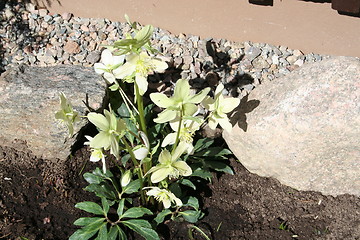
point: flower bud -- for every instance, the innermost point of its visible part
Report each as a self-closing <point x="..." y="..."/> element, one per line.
<point x="126" y="177"/>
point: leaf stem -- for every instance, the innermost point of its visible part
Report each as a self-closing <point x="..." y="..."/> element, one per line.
<point x="140" y="103"/>
<point x="178" y="134"/>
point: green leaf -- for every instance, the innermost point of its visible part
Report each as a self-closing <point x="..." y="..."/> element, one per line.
<point x="175" y="189"/>
<point x="102" y="235"/>
<point x="105" y="205"/>
<point x="154" y="149"/>
<point x="202" y="174"/>
<point x="132" y="187"/>
<point x="102" y="190"/>
<point x="120" y="209"/>
<point x="92" y="178"/>
<point x="187" y="182"/>
<point x="136" y="212"/>
<point x="100" y="173"/>
<point x="113" y="233"/>
<point x="90" y="207"/>
<point x="192" y="202"/>
<point x="203" y="144"/>
<point x="125" y="159"/>
<point x="219" y="166"/>
<point x="123" y="111"/>
<point x="144" y="35"/>
<point x="213" y="151"/>
<point x="86" y="220"/>
<point x="161" y="215"/>
<point x="142" y="227"/>
<point x="88" y="231"/>
<point x="191" y="216"/>
<point x="122" y="235"/>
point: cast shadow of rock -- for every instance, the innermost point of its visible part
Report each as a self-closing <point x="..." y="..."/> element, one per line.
<point x="238" y="116"/>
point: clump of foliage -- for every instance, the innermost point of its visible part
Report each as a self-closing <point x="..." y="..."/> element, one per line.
<point x="158" y="161"/>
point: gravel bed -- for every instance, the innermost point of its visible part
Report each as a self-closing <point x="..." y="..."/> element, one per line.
<point x="34" y="37"/>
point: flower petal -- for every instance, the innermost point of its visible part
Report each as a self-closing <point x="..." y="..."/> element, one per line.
<point x="109" y="77"/>
<point x="101" y="140"/>
<point x="125" y="70"/>
<point x="161" y="100"/>
<point x="142" y="83"/>
<point x="219" y="89"/>
<point x="197" y="98"/>
<point x="166" y="203"/>
<point x="99" y="121"/>
<point x="107" y="57"/>
<point x="141" y="153"/>
<point x="182" y="90"/>
<point x="180" y="149"/>
<point x="159" y="66"/>
<point x="212" y="123"/>
<point x="225" y="124"/>
<point x="183" y="168"/>
<point x="160" y="174"/>
<point x="190" y="109"/>
<point x="165" y="116"/>
<point x="169" y="139"/>
<point x="165" y="157"/>
<point x="229" y="104"/>
<point x="99" y="68"/>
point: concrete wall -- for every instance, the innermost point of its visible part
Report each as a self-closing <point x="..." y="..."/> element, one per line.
<point x="304" y="25"/>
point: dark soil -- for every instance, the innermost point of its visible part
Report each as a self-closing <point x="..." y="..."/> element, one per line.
<point x="37" y="198"/>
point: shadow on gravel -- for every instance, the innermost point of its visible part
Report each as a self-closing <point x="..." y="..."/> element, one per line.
<point x="17" y="35"/>
<point x="46" y="3"/>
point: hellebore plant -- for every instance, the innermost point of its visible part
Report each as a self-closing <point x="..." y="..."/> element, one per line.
<point x="157" y="161"/>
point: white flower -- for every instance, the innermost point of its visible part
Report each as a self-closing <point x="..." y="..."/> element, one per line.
<point x="140" y="66"/>
<point x="170" y="166"/>
<point x="142" y="150"/>
<point x="96" y="154"/>
<point x="111" y="130"/>
<point x="164" y="196"/>
<point x="187" y="131"/>
<point x="219" y="108"/>
<point x="182" y="100"/>
<point x="108" y="64"/>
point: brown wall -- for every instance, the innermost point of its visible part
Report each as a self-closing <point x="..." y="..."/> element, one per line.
<point x="308" y="26"/>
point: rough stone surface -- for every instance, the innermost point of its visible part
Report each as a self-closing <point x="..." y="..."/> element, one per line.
<point x="29" y="98"/>
<point x="304" y="128"/>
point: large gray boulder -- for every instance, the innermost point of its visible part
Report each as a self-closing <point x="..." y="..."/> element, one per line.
<point x="29" y="98"/>
<point x="304" y="129"/>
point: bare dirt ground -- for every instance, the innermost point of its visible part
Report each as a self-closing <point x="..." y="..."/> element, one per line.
<point x="37" y="199"/>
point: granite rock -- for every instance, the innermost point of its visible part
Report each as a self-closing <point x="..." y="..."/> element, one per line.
<point x="30" y="97"/>
<point x="304" y="128"/>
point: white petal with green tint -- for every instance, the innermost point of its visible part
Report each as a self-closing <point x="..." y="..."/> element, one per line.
<point x="169" y="139"/>
<point x="125" y="70"/>
<point x="165" y="157"/>
<point x="182" y="90"/>
<point x="161" y="100"/>
<point x="183" y="168"/>
<point x="165" y="116"/>
<point x="99" y="121"/>
<point x="159" y="65"/>
<point x="160" y="174"/>
<point x="180" y="149"/>
<point x="101" y="140"/>
<point x="142" y="83"/>
<point x="229" y="104"/>
<point x="199" y="96"/>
